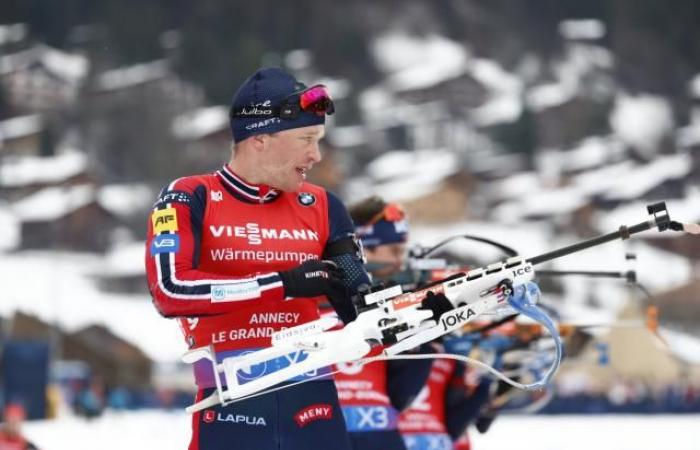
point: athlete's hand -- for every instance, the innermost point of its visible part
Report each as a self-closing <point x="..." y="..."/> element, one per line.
<point x="313" y="278"/>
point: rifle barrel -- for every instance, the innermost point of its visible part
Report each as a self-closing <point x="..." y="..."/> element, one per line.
<point x="623" y="233"/>
<point x="588" y="273"/>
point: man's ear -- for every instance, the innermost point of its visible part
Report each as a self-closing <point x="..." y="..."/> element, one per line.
<point x="260" y="141"/>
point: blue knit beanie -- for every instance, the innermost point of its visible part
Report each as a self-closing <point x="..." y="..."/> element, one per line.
<point x="383" y="232"/>
<point x="254" y="109"/>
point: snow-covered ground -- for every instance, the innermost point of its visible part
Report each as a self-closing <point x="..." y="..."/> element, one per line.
<point x="170" y="430"/>
<point x="590" y="432"/>
<point x="58" y="288"/>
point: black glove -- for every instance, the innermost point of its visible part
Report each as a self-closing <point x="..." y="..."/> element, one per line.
<point x="312" y="278"/>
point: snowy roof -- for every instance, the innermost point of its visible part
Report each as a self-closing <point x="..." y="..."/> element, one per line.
<point x="590" y="152"/>
<point x="18" y="127"/>
<point x="529" y="197"/>
<point x="505" y="91"/>
<point x="642" y="121"/>
<point x="621" y="181"/>
<point x="644" y="178"/>
<point x="9" y="229"/>
<point x="401" y="164"/>
<point x="298" y="59"/>
<point x="200" y="122"/>
<point x="380" y="111"/>
<point x="53" y="203"/>
<point x="405" y="189"/>
<point x="582" y="58"/>
<point x="582" y="29"/>
<point x="413" y="62"/>
<point x="578" y="60"/>
<point x="14" y="32"/>
<point x="493" y="161"/>
<point x="124" y="260"/>
<point x="69" y="67"/>
<point x="695" y="86"/>
<point x="129" y="76"/>
<point x="683" y="210"/>
<point x="514" y="185"/>
<point x="503" y="108"/>
<point x="15" y="61"/>
<point x="67" y="296"/>
<point x="404" y="175"/>
<point x="125" y="199"/>
<point x="547" y="96"/>
<point x="493" y="76"/>
<point x="374" y="98"/>
<point x="603" y="179"/>
<point x="425" y="75"/>
<point x="31" y="170"/>
<point x="541" y="203"/>
<point x="689" y="135"/>
<point x="347" y="136"/>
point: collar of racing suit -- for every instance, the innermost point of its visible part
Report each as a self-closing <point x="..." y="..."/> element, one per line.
<point x="244" y="191"/>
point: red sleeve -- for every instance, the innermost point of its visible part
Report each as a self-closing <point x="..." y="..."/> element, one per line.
<point x="172" y="252"/>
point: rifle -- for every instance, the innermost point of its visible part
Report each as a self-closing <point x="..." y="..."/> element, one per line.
<point x="401" y="321"/>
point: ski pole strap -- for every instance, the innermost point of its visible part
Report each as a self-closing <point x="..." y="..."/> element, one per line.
<point x="523" y="301"/>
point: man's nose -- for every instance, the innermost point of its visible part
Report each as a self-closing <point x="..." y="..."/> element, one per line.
<point x="315" y="154"/>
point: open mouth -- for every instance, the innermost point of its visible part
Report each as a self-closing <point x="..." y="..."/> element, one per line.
<point x="302" y="171"/>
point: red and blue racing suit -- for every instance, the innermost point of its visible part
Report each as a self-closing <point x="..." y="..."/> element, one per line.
<point x="215" y="246"/>
<point x="372" y="396"/>
<point x="437" y="419"/>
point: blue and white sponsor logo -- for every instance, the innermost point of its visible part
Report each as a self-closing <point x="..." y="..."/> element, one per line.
<point x="370" y="418"/>
<point x="306" y="198"/>
<point x="218" y="293"/>
<point x="165" y="243"/>
<point x="256" y="371"/>
<point x="428" y="441"/>
<point x="253" y="371"/>
<point x="248" y="373"/>
<point x="234" y="291"/>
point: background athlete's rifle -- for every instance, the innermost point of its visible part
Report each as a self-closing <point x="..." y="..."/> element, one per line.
<point x="401" y="321"/>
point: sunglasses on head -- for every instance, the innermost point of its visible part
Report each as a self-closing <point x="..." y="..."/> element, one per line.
<point x="392" y="212"/>
<point x="315" y="99"/>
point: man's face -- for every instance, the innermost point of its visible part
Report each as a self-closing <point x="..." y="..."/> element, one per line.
<point x="390" y="256"/>
<point x="288" y="155"/>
